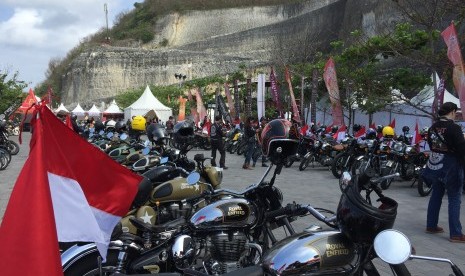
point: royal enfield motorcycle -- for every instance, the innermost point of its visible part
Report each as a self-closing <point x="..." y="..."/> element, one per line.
<point x="343" y="161"/>
<point x="322" y="152"/>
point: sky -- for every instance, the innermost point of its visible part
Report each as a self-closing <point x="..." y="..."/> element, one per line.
<point x="34" y="31"/>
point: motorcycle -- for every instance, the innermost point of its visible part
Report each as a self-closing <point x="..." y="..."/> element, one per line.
<point x="344" y="160"/>
<point x="202" y="141"/>
<point x="12" y="146"/>
<point x="323" y="152"/>
<point x="204" y="242"/>
<point x="305" y="145"/>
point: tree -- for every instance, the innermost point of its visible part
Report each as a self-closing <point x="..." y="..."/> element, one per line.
<point x="10" y="89"/>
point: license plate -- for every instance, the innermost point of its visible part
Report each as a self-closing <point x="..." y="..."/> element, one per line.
<point x="389" y="163"/>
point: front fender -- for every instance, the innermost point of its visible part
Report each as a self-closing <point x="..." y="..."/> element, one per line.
<point x="76" y="252"/>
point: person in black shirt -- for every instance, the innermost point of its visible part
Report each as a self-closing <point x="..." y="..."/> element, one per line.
<point x="216" y="137"/>
<point x="249" y="136"/>
<point x="444" y="171"/>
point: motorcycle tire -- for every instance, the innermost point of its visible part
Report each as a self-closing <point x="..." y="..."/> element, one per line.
<point x="304" y="164"/>
<point x="338" y="163"/>
<point x="356" y="166"/>
<point x="289" y="161"/>
<point x="233" y="148"/>
<point x="241" y="149"/>
<point x="5" y="158"/>
<point x="88" y="264"/>
<point x="13" y="147"/>
<point x="424" y="189"/>
<point x="386" y="183"/>
<point x="407" y="172"/>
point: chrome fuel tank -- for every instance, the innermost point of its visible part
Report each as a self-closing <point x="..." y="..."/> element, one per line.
<point x="316" y="253"/>
<point x="225" y="213"/>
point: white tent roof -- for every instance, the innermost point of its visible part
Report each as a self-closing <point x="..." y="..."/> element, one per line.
<point x="61" y="109"/>
<point x="94" y="111"/>
<point x="78" y="110"/>
<point x="145" y="103"/>
<point x="113" y="109"/>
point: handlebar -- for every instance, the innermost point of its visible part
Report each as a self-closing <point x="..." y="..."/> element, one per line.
<point x="294" y="209"/>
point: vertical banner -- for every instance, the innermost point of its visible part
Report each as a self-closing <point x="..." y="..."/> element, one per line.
<point x="200" y="106"/>
<point x="237" y="101"/>
<point x="223" y="109"/>
<point x="439" y="97"/>
<point x="275" y="92"/>
<point x="182" y="108"/>
<point x="295" y="109"/>
<point x="314" y="95"/>
<point x="232" y="109"/>
<point x="194" y="112"/>
<point x="455" y="56"/>
<point x="261" y="95"/>
<point x="331" y="84"/>
<point x="248" y="105"/>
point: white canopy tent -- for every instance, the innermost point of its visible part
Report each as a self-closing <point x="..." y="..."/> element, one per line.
<point x="94" y="111"/>
<point x="61" y="109"/>
<point x="146" y="103"/>
<point x="78" y="111"/>
<point x="113" y="109"/>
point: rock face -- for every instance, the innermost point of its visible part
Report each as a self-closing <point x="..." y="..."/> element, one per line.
<point x="203" y="43"/>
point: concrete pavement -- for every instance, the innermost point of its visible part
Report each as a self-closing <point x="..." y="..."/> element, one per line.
<point x="318" y="187"/>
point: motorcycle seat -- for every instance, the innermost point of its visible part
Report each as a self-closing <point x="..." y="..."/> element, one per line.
<point x="140" y="225"/>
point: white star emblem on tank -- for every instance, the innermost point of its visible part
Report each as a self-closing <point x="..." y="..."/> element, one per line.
<point x="196" y="187"/>
<point x="146" y="218"/>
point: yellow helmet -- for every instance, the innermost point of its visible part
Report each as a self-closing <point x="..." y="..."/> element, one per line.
<point x="138" y="123"/>
<point x="388" y="132"/>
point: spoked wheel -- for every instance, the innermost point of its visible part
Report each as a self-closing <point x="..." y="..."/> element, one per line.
<point x="387" y="171"/>
<point x="13" y="147"/>
<point x="304" y="164"/>
<point x="424" y="188"/>
<point x="338" y="164"/>
<point x="88" y="265"/>
<point x="5" y="158"/>
<point x="289" y="161"/>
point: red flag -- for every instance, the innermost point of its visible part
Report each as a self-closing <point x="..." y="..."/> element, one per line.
<point x="232" y="109"/>
<point x="416" y="135"/>
<point x="393" y="123"/>
<point x="295" y="110"/>
<point x="340" y="133"/>
<point x="360" y="133"/>
<point x="303" y="130"/>
<point x="275" y="92"/>
<point x="28" y="102"/>
<point x="182" y="108"/>
<point x="68" y="190"/>
<point x="373" y="126"/>
<point x="68" y="122"/>
<point x="331" y="84"/>
<point x="455" y="55"/>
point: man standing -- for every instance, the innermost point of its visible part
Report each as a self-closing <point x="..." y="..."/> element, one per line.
<point x="216" y="137"/>
<point x="444" y="171"/>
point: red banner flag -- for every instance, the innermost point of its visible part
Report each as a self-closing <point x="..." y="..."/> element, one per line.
<point x="295" y="109"/>
<point x="416" y="135"/>
<point x="71" y="200"/>
<point x="28" y="102"/>
<point x="201" y="110"/>
<point x="361" y="133"/>
<point x="182" y="108"/>
<point x="275" y="92"/>
<point x="455" y="56"/>
<point x="232" y="109"/>
<point x="333" y="89"/>
<point x="393" y="123"/>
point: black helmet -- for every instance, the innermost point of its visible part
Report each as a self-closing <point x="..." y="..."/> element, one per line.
<point x="120" y="126"/>
<point x="334" y="129"/>
<point x="74" y="117"/>
<point x="183" y="132"/>
<point x="379" y="128"/>
<point x="371" y="133"/>
<point x="279" y="140"/>
<point x="356" y="128"/>
<point x="360" y="221"/>
<point x="405" y="129"/>
<point x="155" y="132"/>
<point x="98" y="126"/>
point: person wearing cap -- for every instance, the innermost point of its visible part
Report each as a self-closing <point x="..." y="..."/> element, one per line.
<point x="216" y="137"/>
<point x="444" y="171"/>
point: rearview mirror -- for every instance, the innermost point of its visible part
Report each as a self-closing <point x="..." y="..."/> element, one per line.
<point x="110" y="135"/>
<point x="123" y="136"/>
<point x="101" y="132"/>
<point x="146" y="143"/>
<point x="146" y="151"/>
<point x="193" y="178"/>
<point x="163" y="160"/>
<point x="344" y="181"/>
<point x="392" y="246"/>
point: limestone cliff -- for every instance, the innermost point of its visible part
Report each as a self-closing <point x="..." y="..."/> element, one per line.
<point x="203" y="43"/>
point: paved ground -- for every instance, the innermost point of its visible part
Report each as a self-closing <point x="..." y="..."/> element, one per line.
<point x="318" y="187"/>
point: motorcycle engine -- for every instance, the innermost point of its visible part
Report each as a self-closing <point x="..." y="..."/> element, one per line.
<point x="226" y="250"/>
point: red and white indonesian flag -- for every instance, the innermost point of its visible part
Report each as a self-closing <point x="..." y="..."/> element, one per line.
<point x="340" y="134"/>
<point x="361" y="133"/>
<point x="68" y="190"/>
<point x="416" y="135"/>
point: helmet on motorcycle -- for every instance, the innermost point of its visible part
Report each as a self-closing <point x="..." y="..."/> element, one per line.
<point x="138" y="123"/>
<point x="110" y="125"/>
<point x="356" y="128"/>
<point x="379" y="128"/>
<point x="74" y="117"/>
<point x="98" y="126"/>
<point x="2" y="124"/>
<point x="360" y="221"/>
<point x="371" y="133"/>
<point x="405" y="129"/>
<point x="334" y="129"/>
<point x="120" y="126"/>
<point x="155" y="132"/>
<point x="279" y="140"/>
<point x="183" y="132"/>
<point x="388" y="132"/>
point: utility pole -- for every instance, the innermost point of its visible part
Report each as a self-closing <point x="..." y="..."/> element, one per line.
<point x="105" y="9"/>
<point x="302" y="100"/>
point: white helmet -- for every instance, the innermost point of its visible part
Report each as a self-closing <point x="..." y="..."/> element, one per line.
<point x="110" y="124"/>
